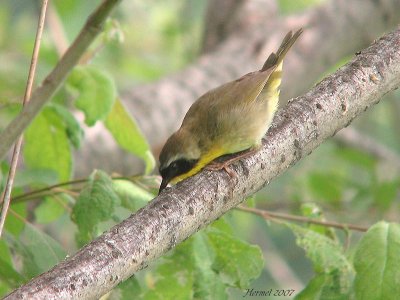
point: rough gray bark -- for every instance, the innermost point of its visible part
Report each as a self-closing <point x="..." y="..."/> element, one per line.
<point x="336" y="29"/>
<point x="182" y="210"/>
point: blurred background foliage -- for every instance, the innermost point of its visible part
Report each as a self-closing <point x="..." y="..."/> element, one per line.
<point x="144" y="41"/>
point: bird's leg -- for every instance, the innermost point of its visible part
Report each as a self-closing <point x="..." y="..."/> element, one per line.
<point x="217" y="166"/>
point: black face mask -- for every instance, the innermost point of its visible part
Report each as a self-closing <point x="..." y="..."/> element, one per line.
<point x="176" y="168"/>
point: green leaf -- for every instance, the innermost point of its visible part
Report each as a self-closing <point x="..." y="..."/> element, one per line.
<point x="250" y="201"/>
<point x="223" y="225"/>
<point x="2" y="177"/>
<point x="324" y="286"/>
<point x="24" y="178"/>
<point x="96" y="92"/>
<point x="128" y="135"/>
<point x="174" y="278"/>
<point x="8" y="274"/>
<point x="45" y="251"/>
<point x="38" y="250"/>
<point x="46" y="145"/>
<point x="334" y="272"/>
<point x="50" y="209"/>
<point x="312" y="211"/>
<point x="237" y="262"/>
<point x="4" y="289"/>
<point x="204" y="266"/>
<point x="96" y="203"/>
<point x="207" y="284"/>
<point x="73" y="128"/>
<point x="187" y="273"/>
<point x="357" y="157"/>
<point x="128" y="288"/>
<point x="14" y="222"/>
<point x="132" y="196"/>
<point x="5" y="254"/>
<point x="288" y="6"/>
<point x="377" y="263"/>
<point x="328" y="187"/>
<point x="385" y="193"/>
<point x="325" y="253"/>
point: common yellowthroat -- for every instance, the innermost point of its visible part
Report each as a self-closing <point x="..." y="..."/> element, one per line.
<point x="228" y="119"/>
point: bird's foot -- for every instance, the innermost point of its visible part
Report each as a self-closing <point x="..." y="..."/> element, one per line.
<point x="217" y="166"/>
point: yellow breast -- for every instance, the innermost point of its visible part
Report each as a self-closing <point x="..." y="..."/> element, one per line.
<point x="205" y="159"/>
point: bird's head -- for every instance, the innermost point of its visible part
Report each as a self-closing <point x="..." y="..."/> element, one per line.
<point x="178" y="156"/>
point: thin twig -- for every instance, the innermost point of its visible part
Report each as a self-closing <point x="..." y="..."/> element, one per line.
<point x="18" y="216"/>
<point x="65" y="191"/>
<point x="28" y="195"/>
<point x="33" y="194"/>
<point x="60" y="201"/>
<point x="268" y="215"/>
<point x="17" y="148"/>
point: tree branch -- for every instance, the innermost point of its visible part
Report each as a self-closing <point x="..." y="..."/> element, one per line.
<point x="335" y="29"/>
<point x="39" y="192"/>
<point x="6" y="196"/>
<point x="269" y="215"/>
<point x="196" y="202"/>
<point x="43" y="93"/>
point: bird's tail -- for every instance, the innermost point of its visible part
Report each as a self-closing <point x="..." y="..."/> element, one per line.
<point x="276" y="58"/>
<point x="271" y="89"/>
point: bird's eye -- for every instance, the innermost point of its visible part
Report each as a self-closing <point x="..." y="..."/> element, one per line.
<point x="174" y="165"/>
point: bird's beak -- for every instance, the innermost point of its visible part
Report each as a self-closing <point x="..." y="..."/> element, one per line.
<point x="163" y="185"/>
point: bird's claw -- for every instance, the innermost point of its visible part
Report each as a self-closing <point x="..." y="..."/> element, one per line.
<point x="217" y="166"/>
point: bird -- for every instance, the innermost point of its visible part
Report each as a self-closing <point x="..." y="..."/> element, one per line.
<point x="229" y="119"/>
